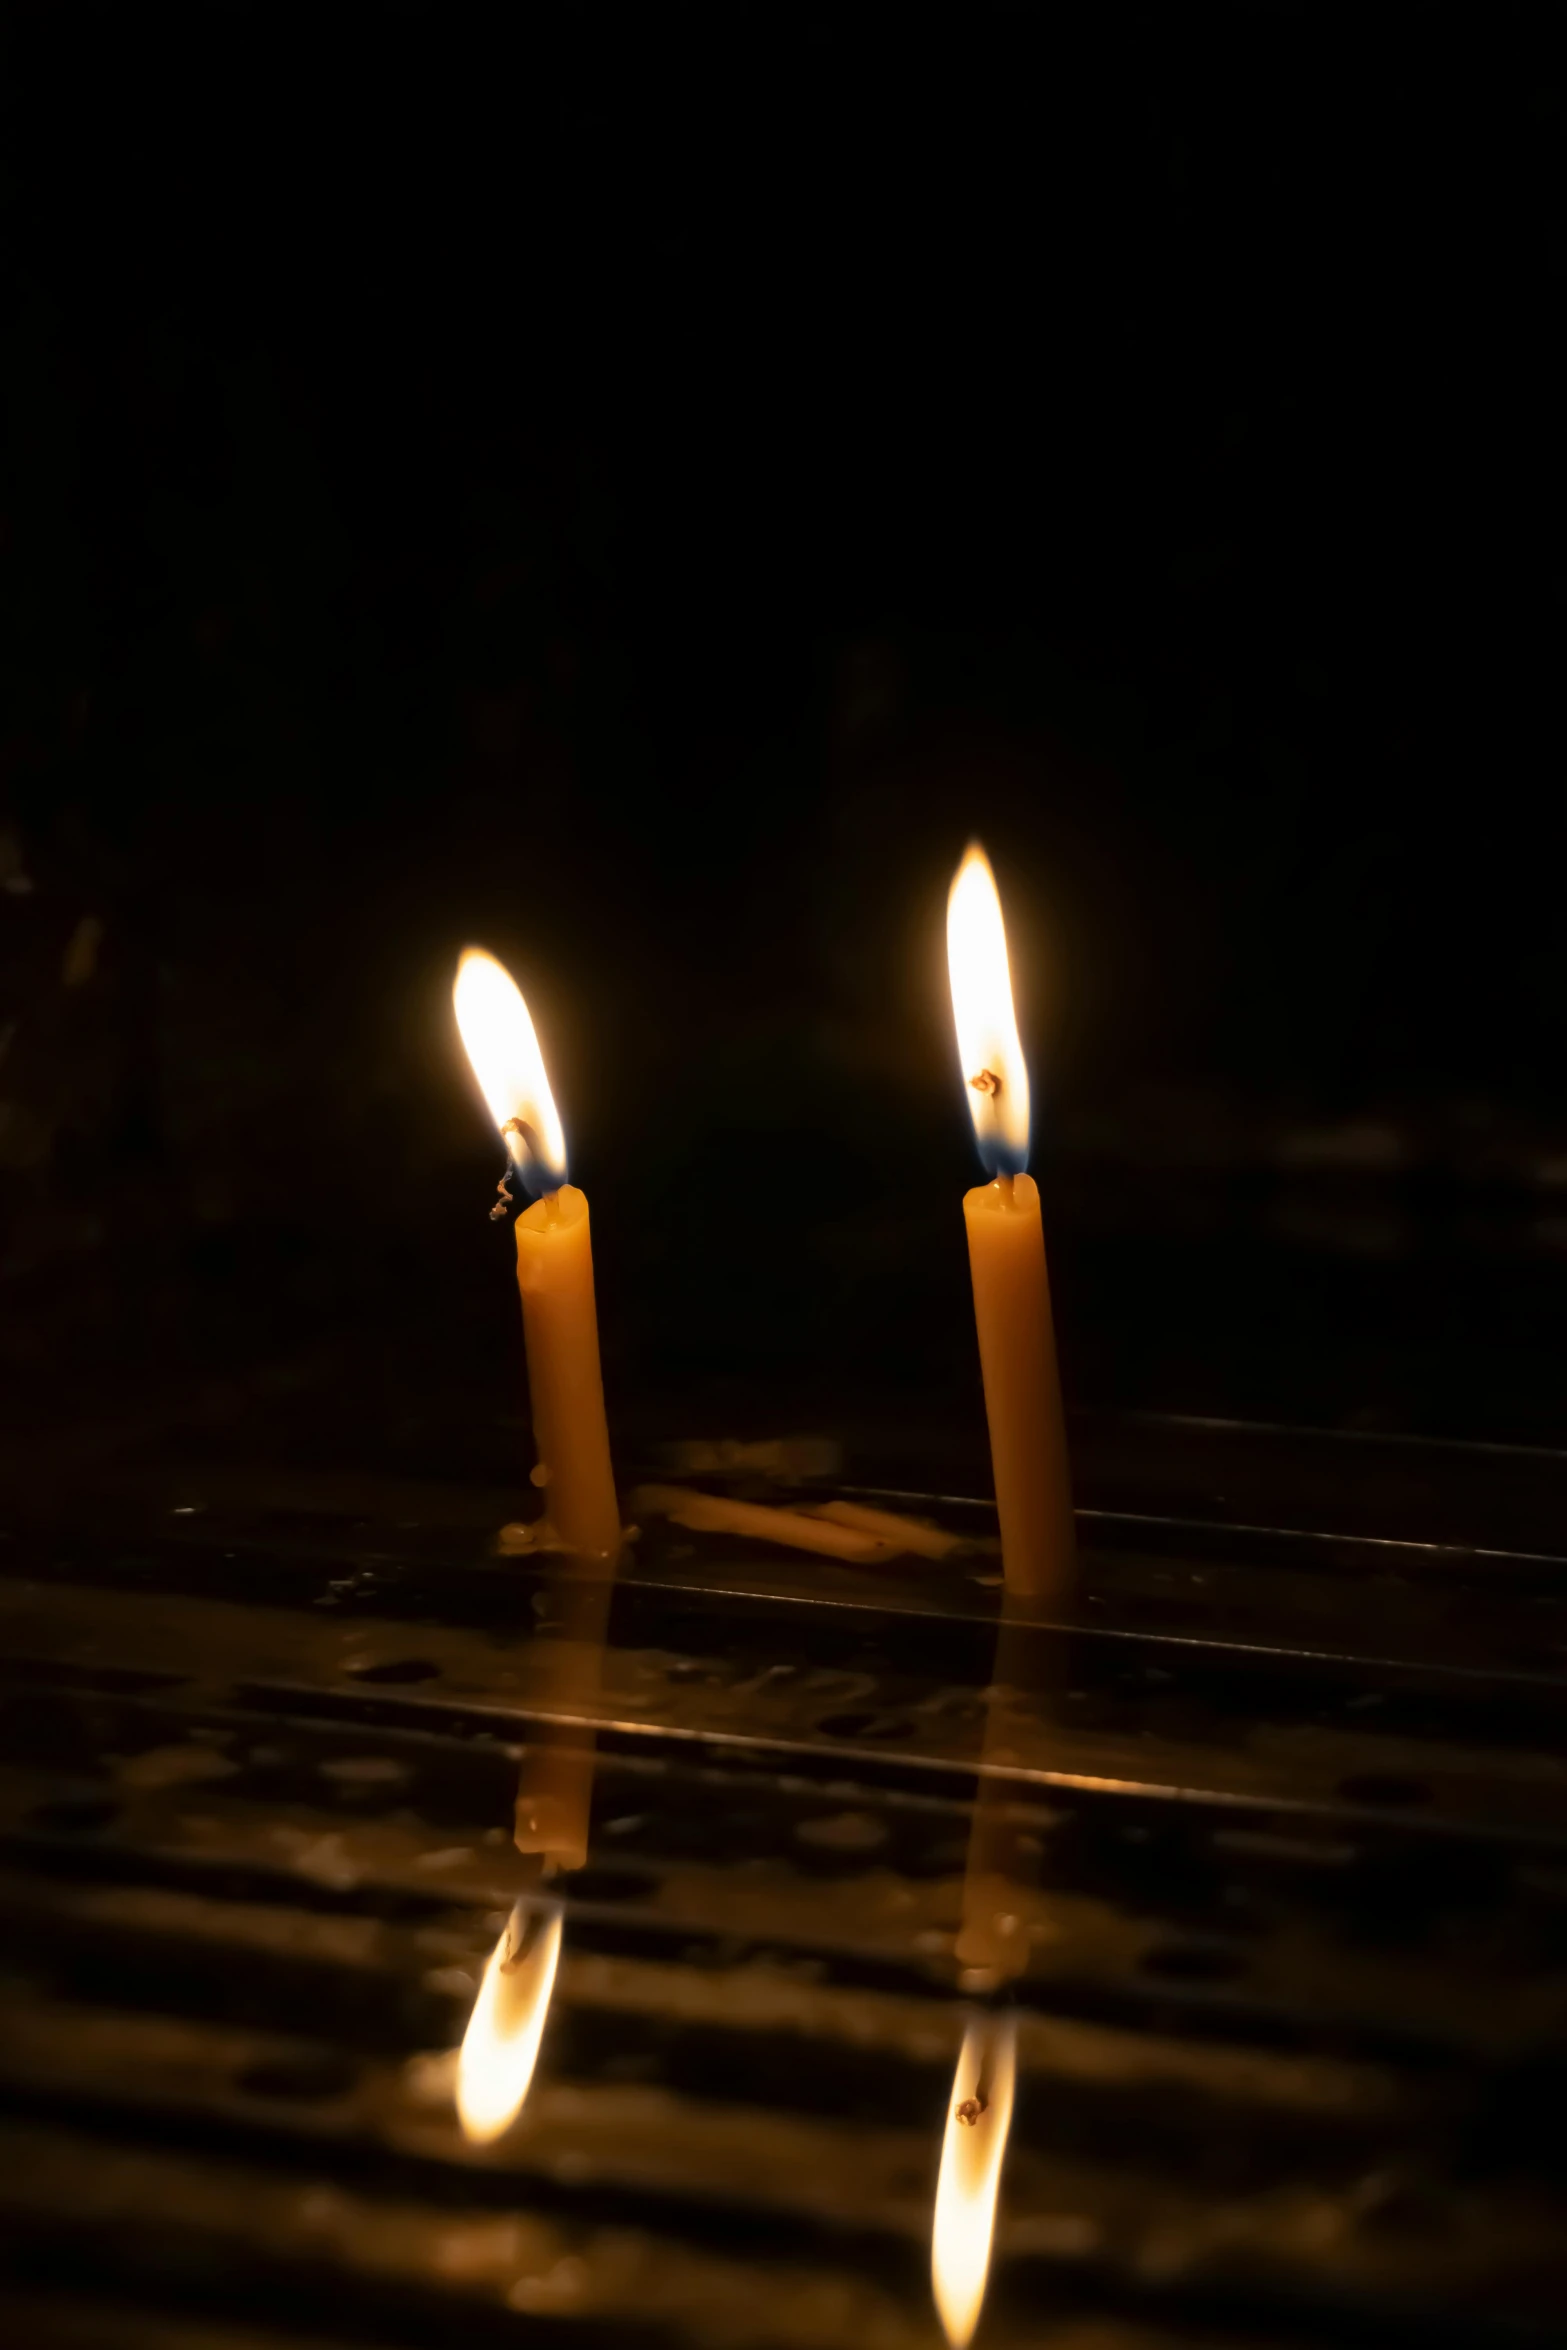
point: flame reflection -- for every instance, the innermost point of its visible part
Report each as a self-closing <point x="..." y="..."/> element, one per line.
<point x="970" y="2182"/>
<point x="501" y="2045"/>
<point x="995" y="1076"/>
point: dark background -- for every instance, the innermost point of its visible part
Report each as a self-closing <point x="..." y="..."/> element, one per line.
<point x="639" y="494"/>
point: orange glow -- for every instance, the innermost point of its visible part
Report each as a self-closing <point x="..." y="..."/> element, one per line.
<point x="498" y="1035"/>
<point x="988" y="1048"/>
<point x="970" y="2182"/>
<point x="501" y="2045"/>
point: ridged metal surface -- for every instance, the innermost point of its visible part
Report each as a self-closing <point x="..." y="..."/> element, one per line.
<point x="1283" y="1812"/>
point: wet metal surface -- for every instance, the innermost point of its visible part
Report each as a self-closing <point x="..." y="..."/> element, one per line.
<point x="1265" y="1851"/>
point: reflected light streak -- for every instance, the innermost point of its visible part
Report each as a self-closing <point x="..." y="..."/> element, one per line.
<point x="967" y="2190"/>
<point x="501" y="2045"/>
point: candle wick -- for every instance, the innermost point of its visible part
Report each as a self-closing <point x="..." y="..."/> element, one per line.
<point x="552" y="1207"/>
<point x="1004" y="1186"/>
<point x="986" y="1082"/>
<point x="527" y="1142"/>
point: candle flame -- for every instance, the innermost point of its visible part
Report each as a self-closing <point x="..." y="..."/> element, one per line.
<point x="994" y="1074"/>
<point x="970" y="2182"/>
<point x="498" y="1035"/>
<point x="501" y="2045"/>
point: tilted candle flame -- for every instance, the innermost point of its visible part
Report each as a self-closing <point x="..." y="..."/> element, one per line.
<point x="970" y="2182"/>
<point x="498" y="1035"/>
<point x="501" y="2045"/>
<point x="995" y="1076"/>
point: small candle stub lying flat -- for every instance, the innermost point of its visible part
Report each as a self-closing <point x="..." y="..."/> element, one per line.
<point x="714" y="1513"/>
<point x="840" y="1530"/>
<point x="910" y="1534"/>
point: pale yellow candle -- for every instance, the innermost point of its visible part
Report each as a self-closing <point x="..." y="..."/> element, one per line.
<point x="1017" y="1349"/>
<point x="554" y="1264"/>
<point x="719" y="1513"/>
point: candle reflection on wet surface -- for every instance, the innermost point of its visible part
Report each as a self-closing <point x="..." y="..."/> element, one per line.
<point x="501" y="2045"/>
<point x="992" y="1951"/>
<point x="500" y="2048"/>
<point x="784" y="1948"/>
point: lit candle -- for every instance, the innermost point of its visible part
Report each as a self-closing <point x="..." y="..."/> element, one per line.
<point x="554" y="1264"/>
<point x="1017" y="1348"/>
